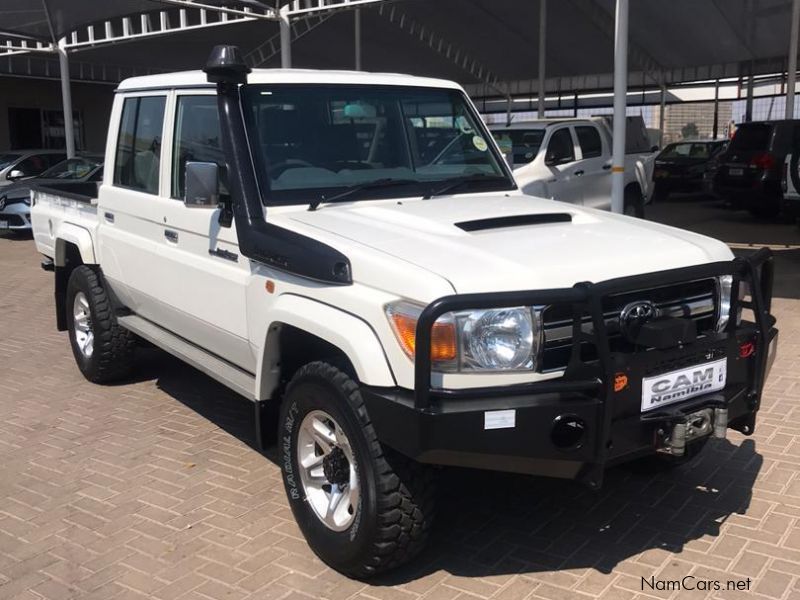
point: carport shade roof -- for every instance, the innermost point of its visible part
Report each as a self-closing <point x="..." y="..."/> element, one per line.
<point x="681" y="39"/>
<point x="50" y="20"/>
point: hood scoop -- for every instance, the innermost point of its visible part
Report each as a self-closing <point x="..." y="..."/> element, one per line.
<point x="514" y="221"/>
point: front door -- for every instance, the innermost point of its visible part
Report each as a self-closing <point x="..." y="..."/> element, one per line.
<point x="565" y="174"/>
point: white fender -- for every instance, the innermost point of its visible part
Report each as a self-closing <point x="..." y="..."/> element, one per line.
<point x="344" y="331"/>
<point x="74" y="234"/>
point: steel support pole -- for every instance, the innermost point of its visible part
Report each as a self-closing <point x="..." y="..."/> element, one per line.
<point x="620" y="93"/>
<point x="357" y="27"/>
<point x="542" y="56"/>
<point x="716" y="109"/>
<point x="66" y="98"/>
<point x="286" y="37"/>
<point x="791" y="75"/>
<point x="748" y="103"/>
<point x="662" y="114"/>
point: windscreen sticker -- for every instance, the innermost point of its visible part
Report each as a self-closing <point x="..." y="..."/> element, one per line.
<point x="479" y="143"/>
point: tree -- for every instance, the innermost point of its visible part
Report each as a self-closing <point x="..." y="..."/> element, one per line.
<point x="690" y="131"/>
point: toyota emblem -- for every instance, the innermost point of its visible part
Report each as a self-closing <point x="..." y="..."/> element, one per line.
<point x="634" y="315"/>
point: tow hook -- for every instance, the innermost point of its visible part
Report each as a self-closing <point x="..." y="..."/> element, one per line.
<point x="709" y="421"/>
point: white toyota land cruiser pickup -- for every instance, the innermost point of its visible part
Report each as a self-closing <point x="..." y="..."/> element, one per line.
<point x="350" y="251"/>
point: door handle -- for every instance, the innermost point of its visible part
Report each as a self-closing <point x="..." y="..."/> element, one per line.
<point x="578" y="173"/>
<point x="109" y="217"/>
<point x="606" y="167"/>
<point x="172" y="236"/>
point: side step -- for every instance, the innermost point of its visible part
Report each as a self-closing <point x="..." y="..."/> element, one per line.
<point x="240" y="381"/>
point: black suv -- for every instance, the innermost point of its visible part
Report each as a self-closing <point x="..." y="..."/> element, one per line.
<point x="749" y="175"/>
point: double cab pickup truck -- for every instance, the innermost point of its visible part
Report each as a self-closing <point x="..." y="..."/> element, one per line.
<point x="351" y="252"/>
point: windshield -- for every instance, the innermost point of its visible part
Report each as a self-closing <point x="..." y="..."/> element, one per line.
<point x="316" y="141"/>
<point x="7" y="159"/>
<point x="524" y="143"/>
<point x="72" y="168"/>
<point x="751" y="137"/>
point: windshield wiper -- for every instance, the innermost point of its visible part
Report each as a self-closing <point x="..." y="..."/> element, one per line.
<point x="367" y="185"/>
<point x="456" y="182"/>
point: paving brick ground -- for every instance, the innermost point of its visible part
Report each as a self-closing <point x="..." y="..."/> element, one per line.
<point x="151" y="488"/>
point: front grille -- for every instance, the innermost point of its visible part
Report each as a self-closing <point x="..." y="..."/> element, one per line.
<point x="694" y="299"/>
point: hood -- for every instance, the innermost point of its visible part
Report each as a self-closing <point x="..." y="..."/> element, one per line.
<point x="503" y="242"/>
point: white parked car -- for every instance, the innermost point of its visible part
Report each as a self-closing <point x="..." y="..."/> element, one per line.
<point x="570" y="160"/>
<point x="351" y="252"/>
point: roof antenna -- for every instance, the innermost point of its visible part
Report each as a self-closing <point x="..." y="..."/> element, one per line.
<point x="226" y="65"/>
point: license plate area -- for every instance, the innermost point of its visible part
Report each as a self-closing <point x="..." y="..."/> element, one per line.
<point x="3" y="224"/>
<point x="682" y="384"/>
<point x="735" y="172"/>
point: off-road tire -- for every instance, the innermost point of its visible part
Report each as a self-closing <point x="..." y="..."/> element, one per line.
<point x="634" y="203"/>
<point x="396" y="504"/>
<point x="113" y="354"/>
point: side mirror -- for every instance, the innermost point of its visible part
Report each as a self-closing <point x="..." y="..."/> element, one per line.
<point x="202" y="185"/>
<point x="654" y="149"/>
<point x="15" y="174"/>
<point x="551" y="159"/>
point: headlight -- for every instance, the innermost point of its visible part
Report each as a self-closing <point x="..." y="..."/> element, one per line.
<point x="724" y="285"/>
<point x="491" y="340"/>
<point x="27" y="200"/>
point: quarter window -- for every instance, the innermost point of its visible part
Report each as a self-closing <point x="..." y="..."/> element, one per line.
<point x="589" y="139"/>
<point x="197" y="138"/>
<point x="138" y="157"/>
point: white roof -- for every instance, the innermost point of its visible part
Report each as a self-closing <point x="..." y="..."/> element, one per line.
<point x="198" y="78"/>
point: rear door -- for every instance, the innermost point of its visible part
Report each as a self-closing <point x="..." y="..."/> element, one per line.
<point x="596" y="177"/>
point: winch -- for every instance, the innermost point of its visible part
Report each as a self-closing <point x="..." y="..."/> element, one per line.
<point x="709" y="421"/>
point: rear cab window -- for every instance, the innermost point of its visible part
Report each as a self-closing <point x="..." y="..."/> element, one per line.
<point x="137" y="160"/>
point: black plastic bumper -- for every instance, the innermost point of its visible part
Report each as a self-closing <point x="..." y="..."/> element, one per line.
<point x="450" y="427"/>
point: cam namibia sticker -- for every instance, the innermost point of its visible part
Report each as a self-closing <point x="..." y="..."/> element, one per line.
<point x="479" y="143"/>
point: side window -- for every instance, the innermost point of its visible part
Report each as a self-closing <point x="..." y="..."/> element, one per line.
<point x="560" y="148"/>
<point x="589" y="139"/>
<point x="138" y="156"/>
<point x="197" y="139"/>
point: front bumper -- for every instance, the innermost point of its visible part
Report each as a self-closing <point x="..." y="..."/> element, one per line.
<point x="575" y="426"/>
<point x="16" y="216"/>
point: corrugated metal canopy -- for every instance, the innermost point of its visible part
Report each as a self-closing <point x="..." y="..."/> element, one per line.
<point x="49" y="20"/>
<point x="472" y="41"/>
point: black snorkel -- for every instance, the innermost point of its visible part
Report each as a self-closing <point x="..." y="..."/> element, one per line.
<point x="259" y="240"/>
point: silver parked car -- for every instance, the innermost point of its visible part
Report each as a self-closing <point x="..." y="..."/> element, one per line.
<point x="15" y="199"/>
<point x="20" y="164"/>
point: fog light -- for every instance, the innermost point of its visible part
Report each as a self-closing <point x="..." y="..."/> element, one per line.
<point x="568" y="432"/>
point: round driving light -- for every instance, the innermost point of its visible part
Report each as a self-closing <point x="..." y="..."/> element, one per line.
<point x="500" y="339"/>
<point x="568" y="432"/>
